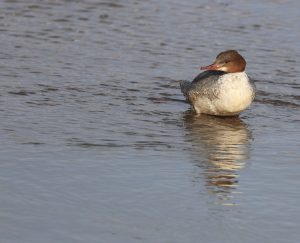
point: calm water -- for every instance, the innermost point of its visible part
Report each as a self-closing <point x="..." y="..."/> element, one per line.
<point x="97" y="144"/>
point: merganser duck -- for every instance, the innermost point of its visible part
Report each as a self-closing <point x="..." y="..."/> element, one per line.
<point x="224" y="89"/>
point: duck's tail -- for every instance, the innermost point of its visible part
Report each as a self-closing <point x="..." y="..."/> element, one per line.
<point x="185" y="86"/>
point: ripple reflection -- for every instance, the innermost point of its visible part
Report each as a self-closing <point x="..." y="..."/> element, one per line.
<point x="220" y="147"/>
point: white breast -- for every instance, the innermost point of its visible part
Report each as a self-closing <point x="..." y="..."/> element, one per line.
<point x="235" y="94"/>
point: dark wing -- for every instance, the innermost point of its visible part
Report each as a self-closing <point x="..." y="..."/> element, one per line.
<point x="205" y="84"/>
<point x="208" y="76"/>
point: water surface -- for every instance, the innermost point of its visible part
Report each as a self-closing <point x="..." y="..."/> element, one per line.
<point x="98" y="145"/>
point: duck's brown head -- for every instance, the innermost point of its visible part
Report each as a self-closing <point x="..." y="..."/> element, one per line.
<point x="228" y="61"/>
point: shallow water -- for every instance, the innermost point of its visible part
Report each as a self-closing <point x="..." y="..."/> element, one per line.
<point x="98" y="145"/>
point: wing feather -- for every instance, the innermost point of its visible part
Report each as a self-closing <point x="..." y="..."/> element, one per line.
<point x="205" y="84"/>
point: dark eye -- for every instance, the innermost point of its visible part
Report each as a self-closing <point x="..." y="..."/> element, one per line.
<point x="227" y="61"/>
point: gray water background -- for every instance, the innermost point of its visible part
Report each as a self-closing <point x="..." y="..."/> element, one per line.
<point x="98" y="145"/>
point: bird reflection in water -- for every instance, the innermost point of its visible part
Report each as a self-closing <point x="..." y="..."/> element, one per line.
<point x="220" y="146"/>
